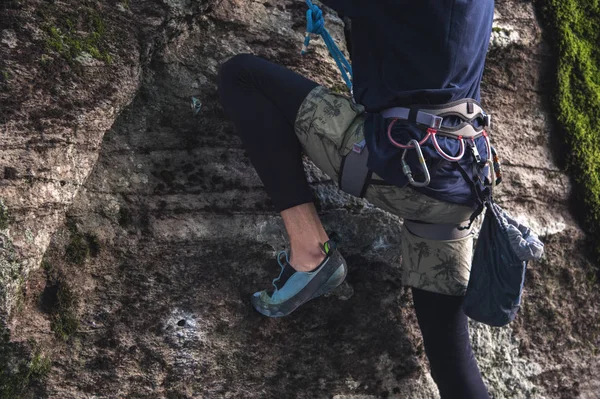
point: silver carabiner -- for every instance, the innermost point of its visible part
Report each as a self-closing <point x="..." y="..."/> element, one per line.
<point x="408" y="172"/>
<point x="490" y="164"/>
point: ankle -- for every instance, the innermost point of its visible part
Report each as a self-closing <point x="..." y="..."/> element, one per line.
<point x="306" y="259"/>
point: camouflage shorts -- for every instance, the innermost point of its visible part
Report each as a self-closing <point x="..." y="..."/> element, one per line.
<point x="327" y="125"/>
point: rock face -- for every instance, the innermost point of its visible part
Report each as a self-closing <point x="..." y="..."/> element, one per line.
<point x="54" y="112"/>
<point x="144" y="286"/>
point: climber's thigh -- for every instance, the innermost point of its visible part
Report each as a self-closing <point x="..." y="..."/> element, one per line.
<point x="326" y="124"/>
<point x="440" y="266"/>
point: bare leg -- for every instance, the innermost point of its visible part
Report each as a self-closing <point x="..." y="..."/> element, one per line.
<point x="307" y="236"/>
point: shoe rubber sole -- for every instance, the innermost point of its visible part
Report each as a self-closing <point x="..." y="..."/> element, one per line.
<point x="319" y="285"/>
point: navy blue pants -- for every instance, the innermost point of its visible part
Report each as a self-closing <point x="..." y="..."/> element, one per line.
<point x="262" y="99"/>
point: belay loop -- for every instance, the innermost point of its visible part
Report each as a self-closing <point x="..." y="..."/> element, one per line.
<point x="447" y="157"/>
<point x="315" y="24"/>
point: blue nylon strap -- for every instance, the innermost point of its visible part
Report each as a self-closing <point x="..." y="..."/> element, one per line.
<point x="315" y="24"/>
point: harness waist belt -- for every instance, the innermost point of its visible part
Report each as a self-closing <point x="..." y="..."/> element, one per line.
<point x="421" y="117"/>
<point x="432" y="116"/>
<point x="355" y="175"/>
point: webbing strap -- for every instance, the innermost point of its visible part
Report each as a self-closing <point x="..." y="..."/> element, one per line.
<point x="421" y="117"/>
<point x="482" y="196"/>
<point x="436" y="231"/>
<point x="468" y="110"/>
<point x="354" y="173"/>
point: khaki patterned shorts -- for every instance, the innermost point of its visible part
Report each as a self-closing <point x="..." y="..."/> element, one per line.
<point x="327" y="125"/>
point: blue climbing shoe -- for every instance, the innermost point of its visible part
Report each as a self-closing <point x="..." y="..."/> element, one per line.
<point x="293" y="288"/>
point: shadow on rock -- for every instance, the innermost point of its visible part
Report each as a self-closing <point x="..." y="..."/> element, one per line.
<point x="194" y="328"/>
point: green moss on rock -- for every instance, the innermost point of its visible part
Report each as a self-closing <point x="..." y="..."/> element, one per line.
<point x="11" y="276"/>
<point x="575" y="26"/>
<point x="60" y="302"/>
<point x="4" y="215"/>
<point x="4" y="75"/>
<point x="70" y="40"/>
<point x="18" y="368"/>
<point x="78" y="250"/>
<point x="64" y="317"/>
<point x="81" y="247"/>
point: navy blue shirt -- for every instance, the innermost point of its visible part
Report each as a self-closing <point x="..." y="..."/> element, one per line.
<point x="416" y="51"/>
<point x="408" y="52"/>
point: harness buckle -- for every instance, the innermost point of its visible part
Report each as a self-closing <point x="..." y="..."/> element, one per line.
<point x="475" y="153"/>
<point x="436" y="123"/>
<point x="487" y="120"/>
<point x="358" y="147"/>
<point x="492" y="175"/>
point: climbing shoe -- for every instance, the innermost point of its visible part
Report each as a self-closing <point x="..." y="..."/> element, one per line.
<point x="294" y="288"/>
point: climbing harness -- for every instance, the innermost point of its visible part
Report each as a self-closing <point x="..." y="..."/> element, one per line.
<point x="355" y="176"/>
<point x="315" y="24"/>
<point x="431" y="117"/>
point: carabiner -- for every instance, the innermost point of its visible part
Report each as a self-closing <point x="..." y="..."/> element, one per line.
<point x="430" y="131"/>
<point x="446" y="156"/>
<point x="408" y="172"/>
<point x="492" y="176"/>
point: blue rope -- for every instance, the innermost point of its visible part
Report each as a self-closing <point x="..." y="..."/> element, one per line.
<point x="316" y="24"/>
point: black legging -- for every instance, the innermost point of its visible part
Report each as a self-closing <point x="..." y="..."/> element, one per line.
<point x="446" y="337"/>
<point x="263" y="99"/>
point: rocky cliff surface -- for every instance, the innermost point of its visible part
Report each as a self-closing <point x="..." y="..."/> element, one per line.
<point x="133" y="231"/>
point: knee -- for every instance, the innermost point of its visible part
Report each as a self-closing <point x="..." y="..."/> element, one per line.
<point x="233" y="71"/>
